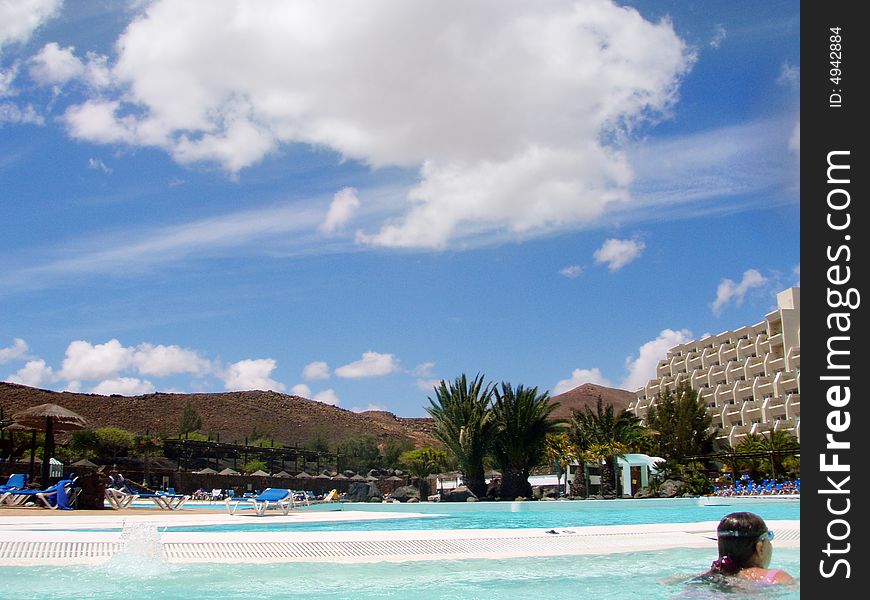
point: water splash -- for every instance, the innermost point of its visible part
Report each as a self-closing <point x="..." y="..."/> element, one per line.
<point x="141" y="554"/>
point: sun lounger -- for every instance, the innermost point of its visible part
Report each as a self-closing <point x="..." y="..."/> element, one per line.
<point x="276" y="498"/>
<point x="163" y="500"/>
<point x="118" y="496"/>
<point x="60" y="496"/>
<point x="16" y="482"/>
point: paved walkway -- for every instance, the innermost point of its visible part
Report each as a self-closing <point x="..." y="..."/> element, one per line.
<point x="43" y="538"/>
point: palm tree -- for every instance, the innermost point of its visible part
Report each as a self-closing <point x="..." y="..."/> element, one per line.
<point x="559" y="452"/>
<point x="779" y="444"/>
<point x="464" y="424"/>
<point x="752" y="443"/>
<point x="604" y="435"/>
<point x="681" y="423"/>
<point x="522" y="422"/>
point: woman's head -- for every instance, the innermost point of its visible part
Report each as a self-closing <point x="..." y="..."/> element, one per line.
<point x="744" y="542"/>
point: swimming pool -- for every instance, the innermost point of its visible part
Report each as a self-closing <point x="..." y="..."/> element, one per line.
<point x="647" y="575"/>
<point x="515" y="515"/>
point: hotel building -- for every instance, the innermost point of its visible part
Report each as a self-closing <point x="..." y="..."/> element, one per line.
<point x="749" y="378"/>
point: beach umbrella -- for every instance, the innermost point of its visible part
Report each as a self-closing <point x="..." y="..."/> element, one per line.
<point x="229" y="471"/>
<point x="322" y="476"/>
<point x="303" y="475"/>
<point x="357" y="478"/>
<point x="372" y="478"/>
<point x="282" y="474"/>
<point x="83" y="463"/>
<point x="395" y="478"/>
<point x="205" y="471"/>
<point x="49" y="418"/>
<point x="260" y="473"/>
<point x="340" y="476"/>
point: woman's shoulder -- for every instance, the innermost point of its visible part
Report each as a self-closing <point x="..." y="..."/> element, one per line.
<point x="766" y="575"/>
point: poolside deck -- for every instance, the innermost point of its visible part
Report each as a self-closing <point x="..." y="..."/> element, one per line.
<point x="41" y="538"/>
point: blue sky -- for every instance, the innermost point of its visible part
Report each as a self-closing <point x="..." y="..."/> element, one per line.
<point x="352" y="200"/>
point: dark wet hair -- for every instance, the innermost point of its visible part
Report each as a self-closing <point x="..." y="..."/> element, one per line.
<point x="737" y="533"/>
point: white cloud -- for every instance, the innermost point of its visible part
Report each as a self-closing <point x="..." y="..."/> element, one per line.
<point x="504" y="107"/>
<point x="35" y="374"/>
<point x="344" y="204"/>
<point x="372" y="364"/>
<point x="427" y="385"/>
<point x="85" y="361"/>
<point x="327" y="396"/>
<point x="423" y="369"/>
<point x="579" y="377"/>
<point x="7" y="76"/>
<point x="301" y="390"/>
<point x="16" y="115"/>
<point x="789" y="75"/>
<point x="571" y="271"/>
<point x="316" y="370"/>
<point x="168" y="360"/>
<point x="17" y="351"/>
<point x="618" y="253"/>
<point x="55" y="65"/>
<point x="98" y="165"/>
<point x="794" y="142"/>
<point x="719" y="35"/>
<point x="251" y="374"/>
<point x="642" y="368"/>
<point x="125" y="386"/>
<point x="357" y="409"/>
<point x="19" y="18"/>
<point x="138" y="250"/>
<point x="729" y="291"/>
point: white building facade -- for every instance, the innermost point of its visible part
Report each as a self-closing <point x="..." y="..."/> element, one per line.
<point x="749" y="378"/>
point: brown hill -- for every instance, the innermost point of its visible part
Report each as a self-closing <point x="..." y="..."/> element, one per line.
<point x="587" y="395"/>
<point x="233" y="415"/>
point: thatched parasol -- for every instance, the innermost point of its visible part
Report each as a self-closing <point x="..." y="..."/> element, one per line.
<point x="49" y="418"/>
<point x="259" y="473"/>
<point x="229" y="471"/>
<point x="83" y="463"/>
<point x="205" y="471"/>
<point x="302" y="475"/>
<point x="340" y="476"/>
<point x="282" y="474"/>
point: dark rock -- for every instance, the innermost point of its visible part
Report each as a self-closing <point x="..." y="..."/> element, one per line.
<point x="643" y="493"/>
<point x="362" y="491"/>
<point x="405" y="493"/>
<point x="459" y="494"/>
<point x="670" y="489"/>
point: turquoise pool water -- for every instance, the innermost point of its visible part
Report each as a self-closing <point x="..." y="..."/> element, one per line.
<point x="646" y="575"/>
<point x="512" y="515"/>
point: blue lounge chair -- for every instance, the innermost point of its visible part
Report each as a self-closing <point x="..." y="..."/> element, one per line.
<point x="16" y="481"/>
<point x="163" y="500"/>
<point x="278" y="498"/>
<point x="59" y="496"/>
